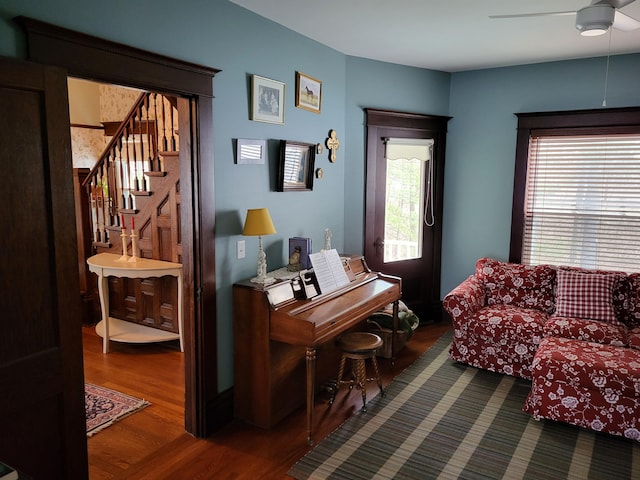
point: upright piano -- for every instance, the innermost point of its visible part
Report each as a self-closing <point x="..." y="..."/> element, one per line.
<point x="283" y="352"/>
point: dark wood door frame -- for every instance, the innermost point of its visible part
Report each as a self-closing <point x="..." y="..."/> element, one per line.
<point x="41" y="392"/>
<point x="92" y="58"/>
<point x="422" y="293"/>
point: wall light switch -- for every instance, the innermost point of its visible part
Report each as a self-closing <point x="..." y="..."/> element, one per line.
<point x="241" y="249"/>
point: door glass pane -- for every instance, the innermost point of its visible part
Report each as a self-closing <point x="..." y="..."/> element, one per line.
<point x="404" y="205"/>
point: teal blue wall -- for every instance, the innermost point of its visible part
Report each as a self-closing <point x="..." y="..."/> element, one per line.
<point x="385" y="86"/>
<point x="480" y="144"/>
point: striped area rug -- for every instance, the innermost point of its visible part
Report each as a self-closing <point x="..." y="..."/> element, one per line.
<point x="444" y="420"/>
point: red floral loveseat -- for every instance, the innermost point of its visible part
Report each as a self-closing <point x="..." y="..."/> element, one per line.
<point x="574" y="332"/>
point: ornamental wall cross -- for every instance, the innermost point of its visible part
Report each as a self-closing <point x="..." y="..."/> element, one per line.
<point x="333" y="144"/>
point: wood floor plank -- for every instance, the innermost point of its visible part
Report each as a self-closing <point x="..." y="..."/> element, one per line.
<point x="152" y="444"/>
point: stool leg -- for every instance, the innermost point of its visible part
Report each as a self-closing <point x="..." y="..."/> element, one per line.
<point x="375" y="369"/>
<point x="361" y="381"/>
<point x="339" y="381"/>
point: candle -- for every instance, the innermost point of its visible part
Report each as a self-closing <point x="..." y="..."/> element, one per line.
<point x="133" y="224"/>
<point x="122" y="222"/>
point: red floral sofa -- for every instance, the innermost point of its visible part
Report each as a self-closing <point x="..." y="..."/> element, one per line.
<point x="574" y="332"/>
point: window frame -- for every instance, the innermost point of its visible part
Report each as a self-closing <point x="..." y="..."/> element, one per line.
<point x="601" y="121"/>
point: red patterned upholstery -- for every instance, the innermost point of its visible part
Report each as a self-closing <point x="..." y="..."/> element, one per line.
<point x="634" y="338"/>
<point x="587" y="384"/>
<point x="585" y="371"/>
<point x="587" y="330"/>
<point x="633" y="307"/>
<point x="514" y="284"/>
<point x="500" y="338"/>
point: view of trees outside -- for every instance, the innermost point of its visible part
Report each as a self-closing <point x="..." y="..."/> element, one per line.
<point x="404" y="201"/>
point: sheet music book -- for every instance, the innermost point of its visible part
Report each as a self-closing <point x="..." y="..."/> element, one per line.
<point x="329" y="270"/>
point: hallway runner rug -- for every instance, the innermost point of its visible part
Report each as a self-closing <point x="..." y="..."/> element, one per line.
<point x="441" y="419"/>
<point x="104" y="407"/>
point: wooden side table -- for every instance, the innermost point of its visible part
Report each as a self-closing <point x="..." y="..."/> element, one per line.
<point x="107" y="265"/>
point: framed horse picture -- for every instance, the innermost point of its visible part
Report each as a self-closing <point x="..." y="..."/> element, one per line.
<point x="308" y="92"/>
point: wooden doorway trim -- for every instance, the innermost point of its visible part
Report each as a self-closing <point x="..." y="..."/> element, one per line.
<point x="420" y="276"/>
<point x="92" y="58"/>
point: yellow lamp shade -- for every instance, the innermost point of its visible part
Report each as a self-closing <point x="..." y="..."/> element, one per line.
<point x="258" y="222"/>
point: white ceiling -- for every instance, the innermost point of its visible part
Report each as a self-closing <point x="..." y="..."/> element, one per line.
<point x="447" y="35"/>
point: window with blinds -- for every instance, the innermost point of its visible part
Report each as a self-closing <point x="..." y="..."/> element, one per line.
<point x="582" y="202"/>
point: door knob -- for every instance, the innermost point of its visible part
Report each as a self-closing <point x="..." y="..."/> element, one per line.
<point x="379" y="244"/>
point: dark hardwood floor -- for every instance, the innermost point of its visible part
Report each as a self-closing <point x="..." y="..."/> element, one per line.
<point x="152" y="444"/>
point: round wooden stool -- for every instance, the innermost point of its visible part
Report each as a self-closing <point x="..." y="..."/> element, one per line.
<point x="358" y="346"/>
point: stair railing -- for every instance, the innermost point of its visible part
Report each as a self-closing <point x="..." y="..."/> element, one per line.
<point x="132" y="155"/>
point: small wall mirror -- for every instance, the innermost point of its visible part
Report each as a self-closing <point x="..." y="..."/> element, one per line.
<point x="297" y="160"/>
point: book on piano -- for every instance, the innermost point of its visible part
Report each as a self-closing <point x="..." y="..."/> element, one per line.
<point x="329" y="270"/>
<point x="305" y="249"/>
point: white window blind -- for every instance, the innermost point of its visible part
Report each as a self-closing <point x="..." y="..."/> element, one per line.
<point x="582" y="205"/>
<point x="409" y="148"/>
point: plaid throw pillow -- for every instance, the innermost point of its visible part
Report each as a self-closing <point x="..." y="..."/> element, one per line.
<point x="585" y="295"/>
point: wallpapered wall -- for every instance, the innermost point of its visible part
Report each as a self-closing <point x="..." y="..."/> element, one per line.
<point x="113" y="103"/>
<point x="86" y="146"/>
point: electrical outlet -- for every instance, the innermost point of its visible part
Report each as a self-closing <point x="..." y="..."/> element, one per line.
<point x="241" y="249"/>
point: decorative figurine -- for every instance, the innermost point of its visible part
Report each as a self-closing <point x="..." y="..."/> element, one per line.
<point x="294" y="260"/>
<point x="327" y="239"/>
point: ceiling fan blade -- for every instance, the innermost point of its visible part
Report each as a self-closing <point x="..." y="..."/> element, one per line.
<point x="541" y="14"/>
<point x="613" y="3"/>
<point x="625" y="22"/>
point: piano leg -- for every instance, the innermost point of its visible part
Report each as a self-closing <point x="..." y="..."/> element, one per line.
<point x="311" y="380"/>
<point x="393" y="335"/>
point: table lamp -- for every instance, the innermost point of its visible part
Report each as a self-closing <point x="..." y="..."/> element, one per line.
<point x="258" y="222"/>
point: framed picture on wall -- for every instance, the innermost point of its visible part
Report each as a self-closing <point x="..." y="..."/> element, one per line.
<point x="267" y="100"/>
<point x="308" y="92"/>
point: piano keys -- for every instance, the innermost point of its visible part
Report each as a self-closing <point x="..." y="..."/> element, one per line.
<point x="283" y="353"/>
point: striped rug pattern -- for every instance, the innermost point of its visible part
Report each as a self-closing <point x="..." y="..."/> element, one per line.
<point x="444" y="420"/>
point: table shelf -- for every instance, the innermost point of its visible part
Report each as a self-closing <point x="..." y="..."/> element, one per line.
<point x="129" y="332"/>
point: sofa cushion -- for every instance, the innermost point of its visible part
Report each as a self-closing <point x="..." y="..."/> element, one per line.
<point x="525" y="286"/>
<point x="509" y="323"/>
<point x="633" y="339"/>
<point x="589" y="365"/>
<point x="633" y="308"/>
<point x="587" y="330"/>
<point x="500" y="338"/>
<point x="585" y="295"/>
<point x="586" y="384"/>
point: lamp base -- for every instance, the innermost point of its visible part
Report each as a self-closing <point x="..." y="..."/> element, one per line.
<point x="263" y="281"/>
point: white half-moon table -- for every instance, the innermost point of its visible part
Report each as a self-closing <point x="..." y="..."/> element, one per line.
<point x="107" y="265"/>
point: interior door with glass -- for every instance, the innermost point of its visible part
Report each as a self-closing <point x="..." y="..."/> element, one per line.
<point x="404" y="211"/>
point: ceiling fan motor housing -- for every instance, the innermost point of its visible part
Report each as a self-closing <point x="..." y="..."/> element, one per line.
<point x="595" y="18"/>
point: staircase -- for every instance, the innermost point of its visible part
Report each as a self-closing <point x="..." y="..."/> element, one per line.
<point x="122" y="178"/>
<point x="136" y="181"/>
